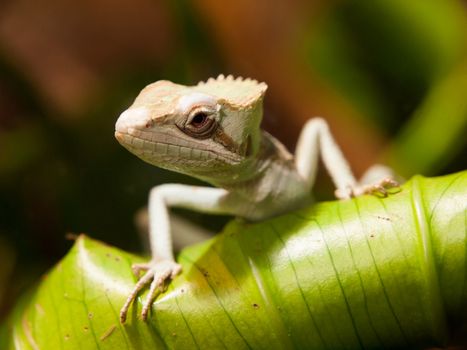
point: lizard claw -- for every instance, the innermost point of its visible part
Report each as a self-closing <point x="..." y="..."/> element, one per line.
<point x="381" y="188"/>
<point x="157" y="275"/>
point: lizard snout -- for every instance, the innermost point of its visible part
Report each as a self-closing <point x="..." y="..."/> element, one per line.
<point x="133" y="118"/>
<point x="119" y="136"/>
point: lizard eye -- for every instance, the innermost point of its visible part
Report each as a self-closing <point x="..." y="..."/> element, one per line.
<point x="199" y="120"/>
<point x="200" y="124"/>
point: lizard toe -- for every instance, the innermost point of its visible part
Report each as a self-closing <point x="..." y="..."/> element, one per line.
<point x="158" y="275"/>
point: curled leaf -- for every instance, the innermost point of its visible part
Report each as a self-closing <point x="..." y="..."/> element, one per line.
<point x="364" y="273"/>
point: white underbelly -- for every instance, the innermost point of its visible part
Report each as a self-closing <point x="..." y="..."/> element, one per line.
<point x="277" y="202"/>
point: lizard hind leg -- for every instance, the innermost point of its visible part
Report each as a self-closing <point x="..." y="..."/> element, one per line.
<point x="316" y="140"/>
<point x="378" y="180"/>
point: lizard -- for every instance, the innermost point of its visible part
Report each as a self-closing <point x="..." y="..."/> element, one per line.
<point x="211" y="131"/>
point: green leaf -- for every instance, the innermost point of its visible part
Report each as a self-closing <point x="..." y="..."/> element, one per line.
<point x="364" y="273"/>
<point x="441" y="119"/>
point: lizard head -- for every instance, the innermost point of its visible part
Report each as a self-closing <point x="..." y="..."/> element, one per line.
<point x="194" y="129"/>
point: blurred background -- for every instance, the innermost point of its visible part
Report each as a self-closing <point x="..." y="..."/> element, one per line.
<point x="390" y="76"/>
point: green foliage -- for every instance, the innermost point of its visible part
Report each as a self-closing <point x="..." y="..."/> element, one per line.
<point x="364" y="273"/>
<point x="437" y="129"/>
<point x="402" y="65"/>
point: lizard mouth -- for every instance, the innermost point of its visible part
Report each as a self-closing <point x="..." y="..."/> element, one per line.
<point x="150" y="149"/>
<point x="120" y="136"/>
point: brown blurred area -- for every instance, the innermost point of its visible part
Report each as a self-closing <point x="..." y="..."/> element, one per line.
<point x="386" y="77"/>
<point x="69" y="49"/>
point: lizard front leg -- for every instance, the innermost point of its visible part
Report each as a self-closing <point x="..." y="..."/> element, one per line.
<point x="162" y="268"/>
<point x="316" y="139"/>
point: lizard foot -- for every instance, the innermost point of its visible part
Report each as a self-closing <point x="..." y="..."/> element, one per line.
<point x="382" y="188"/>
<point x="157" y="274"/>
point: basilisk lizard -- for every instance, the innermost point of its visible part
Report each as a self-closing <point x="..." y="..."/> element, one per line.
<point x="211" y="131"/>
